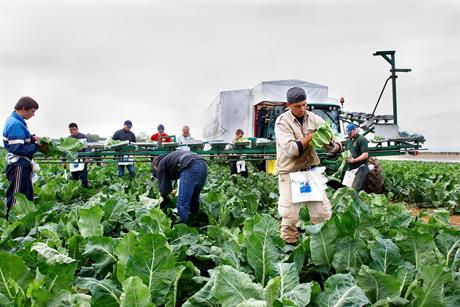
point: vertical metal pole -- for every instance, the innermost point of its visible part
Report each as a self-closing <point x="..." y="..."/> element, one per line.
<point x="393" y="76"/>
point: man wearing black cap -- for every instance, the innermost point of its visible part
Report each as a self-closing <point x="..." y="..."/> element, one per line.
<point x="294" y="130"/>
<point x="125" y="134"/>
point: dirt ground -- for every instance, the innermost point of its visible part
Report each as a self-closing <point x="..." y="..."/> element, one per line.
<point x="454" y="219"/>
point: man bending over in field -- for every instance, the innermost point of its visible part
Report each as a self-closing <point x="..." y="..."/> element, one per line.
<point x="192" y="171"/>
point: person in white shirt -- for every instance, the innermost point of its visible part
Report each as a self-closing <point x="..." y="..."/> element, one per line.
<point x="185" y="137"/>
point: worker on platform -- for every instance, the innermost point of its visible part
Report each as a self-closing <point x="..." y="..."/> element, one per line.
<point x="160" y="136"/>
<point x="294" y="130"/>
<point x="21" y="146"/>
<point x="358" y="146"/>
<point x="192" y="171"/>
<point x="125" y="134"/>
<point x="238" y="166"/>
<point x="185" y="137"/>
<point x="78" y="169"/>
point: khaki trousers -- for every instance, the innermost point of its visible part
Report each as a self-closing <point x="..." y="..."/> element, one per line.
<point x="320" y="211"/>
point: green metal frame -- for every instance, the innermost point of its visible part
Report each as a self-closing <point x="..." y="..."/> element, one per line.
<point x="267" y="151"/>
<point x="256" y="152"/>
<point x="390" y="57"/>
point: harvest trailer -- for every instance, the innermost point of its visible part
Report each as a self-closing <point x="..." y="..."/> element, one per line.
<point x="255" y="111"/>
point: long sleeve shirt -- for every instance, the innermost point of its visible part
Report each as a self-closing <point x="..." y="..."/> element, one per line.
<point x="123" y="135"/>
<point x="17" y="139"/>
<point x="170" y="167"/>
<point x="289" y="131"/>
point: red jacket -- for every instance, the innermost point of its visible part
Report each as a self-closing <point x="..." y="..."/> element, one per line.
<point x="156" y="137"/>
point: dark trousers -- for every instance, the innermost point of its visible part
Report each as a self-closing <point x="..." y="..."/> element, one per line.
<point x="83" y="175"/>
<point x="20" y="181"/>
<point x="360" y="177"/>
<point x="192" y="180"/>
<point x="121" y="170"/>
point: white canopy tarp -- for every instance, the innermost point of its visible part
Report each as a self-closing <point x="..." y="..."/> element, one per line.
<point x="276" y="91"/>
<point x="232" y="110"/>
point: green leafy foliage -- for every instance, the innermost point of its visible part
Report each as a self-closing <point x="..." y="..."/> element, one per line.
<point x="338" y="175"/>
<point x="428" y="184"/>
<point x="341" y="290"/>
<point x="14" y="278"/>
<point x="153" y="262"/>
<point x="323" y="135"/>
<point x="103" y="292"/>
<point x="111" y="245"/>
<point x="64" y="148"/>
<point x="135" y="293"/>
<point x="385" y="256"/>
<point x="322" y="244"/>
<point x="90" y="222"/>
<point x="232" y="287"/>
<point x="263" y="245"/>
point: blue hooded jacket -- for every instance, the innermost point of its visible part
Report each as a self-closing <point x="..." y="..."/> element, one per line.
<point x="17" y="138"/>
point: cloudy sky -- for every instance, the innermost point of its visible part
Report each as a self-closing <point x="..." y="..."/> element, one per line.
<point x="100" y="62"/>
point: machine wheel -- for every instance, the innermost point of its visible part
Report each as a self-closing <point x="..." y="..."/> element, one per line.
<point x="374" y="180"/>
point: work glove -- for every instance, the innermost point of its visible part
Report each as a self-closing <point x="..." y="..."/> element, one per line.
<point x="332" y="147"/>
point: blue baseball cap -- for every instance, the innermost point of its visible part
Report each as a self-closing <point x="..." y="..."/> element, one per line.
<point x="128" y="123"/>
<point x="350" y="128"/>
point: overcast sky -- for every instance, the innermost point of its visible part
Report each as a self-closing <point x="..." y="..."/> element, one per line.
<point x="98" y="63"/>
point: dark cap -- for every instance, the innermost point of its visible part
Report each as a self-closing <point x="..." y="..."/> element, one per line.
<point x="161" y="128"/>
<point x="128" y="123"/>
<point x="296" y="94"/>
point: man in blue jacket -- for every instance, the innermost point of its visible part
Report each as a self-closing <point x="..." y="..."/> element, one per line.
<point x="21" y="146"/>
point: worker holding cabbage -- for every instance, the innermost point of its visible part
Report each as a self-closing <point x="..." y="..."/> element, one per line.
<point x="358" y="146"/>
<point x="21" y="145"/>
<point x="298" y="132"/>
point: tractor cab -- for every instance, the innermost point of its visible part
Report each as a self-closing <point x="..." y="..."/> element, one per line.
<point x="266" y="112"/>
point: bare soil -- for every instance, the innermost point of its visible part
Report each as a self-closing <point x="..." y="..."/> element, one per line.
<point x="453" y="219"/>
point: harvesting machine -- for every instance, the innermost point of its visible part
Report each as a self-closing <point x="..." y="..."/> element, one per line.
<point x="255" y="111"/>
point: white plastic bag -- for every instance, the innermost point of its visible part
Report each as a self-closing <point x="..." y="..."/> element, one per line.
<point x="35" y="166"/>
<point x="76" y="167"/>
<point x="349" y="178"/>
<point x="307" y="186"/>
<point x="240" y="166"/>
<point x="35" y="170"/>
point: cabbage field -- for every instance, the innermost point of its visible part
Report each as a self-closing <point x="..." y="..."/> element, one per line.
<point x="427" y="184"/>
<point x="111" y="245"/>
